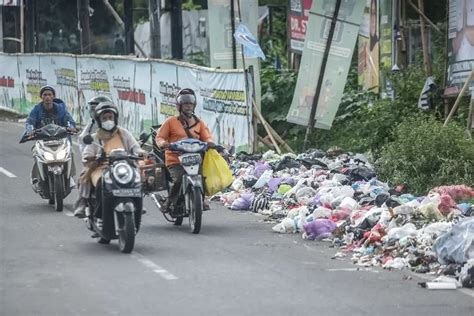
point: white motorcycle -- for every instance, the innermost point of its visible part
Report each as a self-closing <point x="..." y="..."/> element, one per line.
<point x="52" y="153"/>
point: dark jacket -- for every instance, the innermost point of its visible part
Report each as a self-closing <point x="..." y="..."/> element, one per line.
<point x="62" y="118"/>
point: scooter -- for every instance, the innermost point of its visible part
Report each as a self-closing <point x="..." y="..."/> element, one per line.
<point x="115" y="209"/>
<point x="53" y="156"/>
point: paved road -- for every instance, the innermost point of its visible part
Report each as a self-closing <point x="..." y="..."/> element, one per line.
<point x="236" y="266"/>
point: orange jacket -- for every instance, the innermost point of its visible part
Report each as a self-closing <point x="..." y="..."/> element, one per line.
<point x="172" y="131"/>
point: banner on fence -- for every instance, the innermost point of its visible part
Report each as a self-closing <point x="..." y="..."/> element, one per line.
<point x="144" y="91"/>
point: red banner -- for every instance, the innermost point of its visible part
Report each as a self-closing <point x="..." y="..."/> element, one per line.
<point x="299" y="11"/>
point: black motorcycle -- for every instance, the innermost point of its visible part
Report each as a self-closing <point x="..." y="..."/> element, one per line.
<point x="115" y="210"/>
<point x="52" y="153"/>
<point x="157" y="181"/>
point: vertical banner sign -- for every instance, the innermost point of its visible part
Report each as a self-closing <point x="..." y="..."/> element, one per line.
<point x="386" y="42"/>
<point x="299" y="12"/>
<point x="338" y="64"/>
<point x="220" y="35"/>
<point x="368" y="68"/>
<point x="460" y="45"/>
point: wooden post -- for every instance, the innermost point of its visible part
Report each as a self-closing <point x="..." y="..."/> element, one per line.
<point x="424" y="17"/>
<point x="458" y="100"/>
<point x="266" y="126"/>
<point x="424" y="41"/>
<point x="470" y="116"/>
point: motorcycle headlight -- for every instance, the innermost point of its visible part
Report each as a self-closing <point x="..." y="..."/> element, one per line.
<point x="123" y="173"/>
<point x="61" y="155"/>
<point x="192" y="147"/>
<point x="48" y="156"/>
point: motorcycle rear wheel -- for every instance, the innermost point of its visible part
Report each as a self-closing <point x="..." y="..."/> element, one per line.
<point x="58" y="192"/>
<point x="126" y="229"/>
<point x="195" y="211"/>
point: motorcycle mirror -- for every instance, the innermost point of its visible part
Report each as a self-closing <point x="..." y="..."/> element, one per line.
<point x="87" y="139"/>
<point x="144" y="137"/>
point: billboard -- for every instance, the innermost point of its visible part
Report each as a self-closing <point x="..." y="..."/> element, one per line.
<point x="460" y="45"/>
<point x="369" y="48"/>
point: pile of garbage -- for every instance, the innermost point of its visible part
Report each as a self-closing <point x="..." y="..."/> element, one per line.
<point x="336" y="197"/>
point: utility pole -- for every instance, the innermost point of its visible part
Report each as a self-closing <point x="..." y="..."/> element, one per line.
<point x="1" y="29"/>
<point x="424" y="40"/>
<point x="176" y="29"/>
<point x="312" y="115"/>
<point x="129" y="39"/>
<point x="30" y="22"/>
<point x="83" y="8"/>
<point x="154" y="9"/>
<point x="232" y="25"/>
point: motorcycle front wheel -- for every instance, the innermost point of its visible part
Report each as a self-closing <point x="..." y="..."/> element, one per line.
<point x="126" y="231"/>
<point x="58" y="192"/>
<point x="195" y="210"/>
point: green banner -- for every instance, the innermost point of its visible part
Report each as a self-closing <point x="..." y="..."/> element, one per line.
<point x="337" y="68"/>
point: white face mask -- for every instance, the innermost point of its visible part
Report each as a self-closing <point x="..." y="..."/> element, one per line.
<point x="108" y="125"/>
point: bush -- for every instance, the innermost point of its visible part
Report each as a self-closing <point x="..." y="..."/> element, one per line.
<point x="424" y="154"/>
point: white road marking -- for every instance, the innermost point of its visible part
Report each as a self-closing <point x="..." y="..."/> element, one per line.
<point x="352" y="270"/>
<point x="7" y="173"/>
<point x="153" y="266"/>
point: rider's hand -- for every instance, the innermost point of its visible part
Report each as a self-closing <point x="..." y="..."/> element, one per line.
<point x="73" y="130"/>
<point x="143" y="154"/>
<point x="30" y="134"/>
<point x="164" y="145"/>
<point x="211" y="145"/>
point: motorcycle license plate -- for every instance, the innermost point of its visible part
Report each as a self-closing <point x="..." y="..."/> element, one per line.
<point x="127" y="192"/>
<point x="189" y="160"/>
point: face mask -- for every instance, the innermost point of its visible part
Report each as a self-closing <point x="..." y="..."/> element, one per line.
<point x="108" y="125"/>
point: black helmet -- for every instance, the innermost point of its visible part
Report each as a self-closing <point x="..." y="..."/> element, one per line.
<point x="95" y="101"/>
<point x="106" y="106"/>
<point x="185" y="95"/>
<point x="47" y="88"/>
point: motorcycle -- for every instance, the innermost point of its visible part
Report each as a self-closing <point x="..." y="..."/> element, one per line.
<point x="158" y="182"/>
<point x="52" y="153"/>
<point x="115" y="210"/>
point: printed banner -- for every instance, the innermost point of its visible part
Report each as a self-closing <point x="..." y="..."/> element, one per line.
<point x="460" y="45"/>
<point x="338" y="64"/>
<point x="299" y="13"/>
<point x="144" y="91"/>
<point x="368" y="68"/>
<point x="220" y="36"/>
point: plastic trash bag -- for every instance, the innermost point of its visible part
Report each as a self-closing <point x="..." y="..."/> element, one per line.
<point x="457" y="245"/>
<point x="243" y="202"/>
<point x="287" y="225"/>
<point x="398" y="233"/>
<point x="273" y="184"/>
<point x="263" y="180"/>
<point x="216" y="172"/>
<point x="319" y="229"/>
<point x="260" y="168"/>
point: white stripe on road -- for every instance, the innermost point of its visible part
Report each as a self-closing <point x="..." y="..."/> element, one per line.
<point x="7" y="173"/>
<point x="352" y="270"/>
<point x="153" y="266"/>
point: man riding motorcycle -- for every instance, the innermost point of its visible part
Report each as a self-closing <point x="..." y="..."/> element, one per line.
<point x="109" y="136"/>
<point x="90" y="128"/>
<point x="175" y="128"/>
<point x="49" y="110"/>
